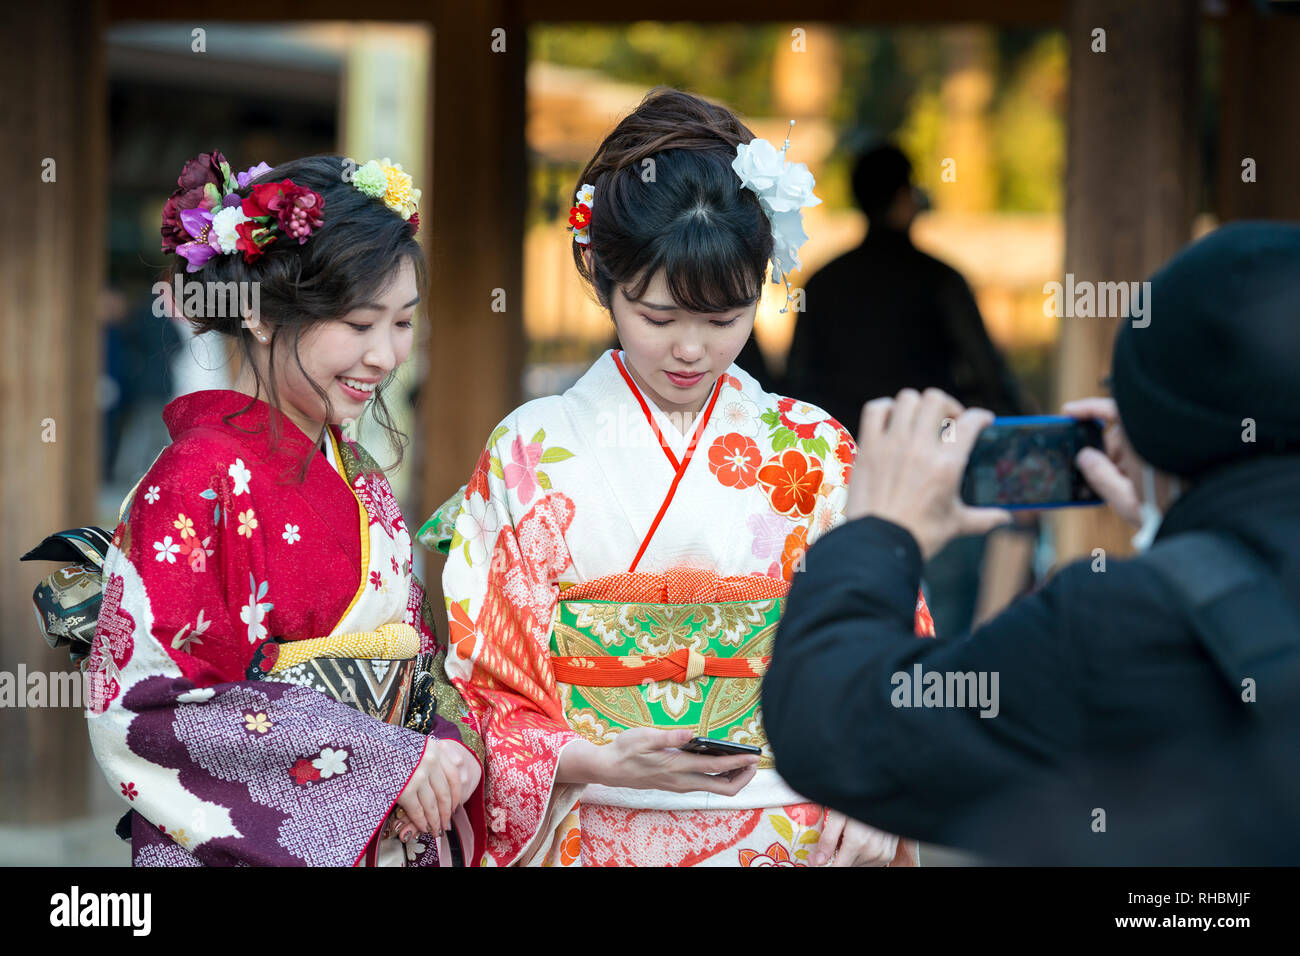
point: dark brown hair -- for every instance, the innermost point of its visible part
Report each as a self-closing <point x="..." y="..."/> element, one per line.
<point x="684" y="211"/>
<point x="347" y="261"/>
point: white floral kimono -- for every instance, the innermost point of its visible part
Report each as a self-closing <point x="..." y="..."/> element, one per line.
<point x="606" y="571"/>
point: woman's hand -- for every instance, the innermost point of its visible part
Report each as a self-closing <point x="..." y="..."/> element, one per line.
<point x="444" y="779"/>
<point x="462" y="765"/>
<point x="850" y="843"/>
<point x="647" y="759"/>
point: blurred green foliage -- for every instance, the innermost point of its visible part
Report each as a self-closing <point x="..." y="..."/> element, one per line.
<point x="890" y="88"/>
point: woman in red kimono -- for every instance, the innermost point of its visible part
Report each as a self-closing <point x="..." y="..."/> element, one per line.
<point x="267" y="686"/>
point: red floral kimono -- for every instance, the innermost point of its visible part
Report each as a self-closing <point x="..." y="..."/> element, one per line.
<point x="221" y="562"/>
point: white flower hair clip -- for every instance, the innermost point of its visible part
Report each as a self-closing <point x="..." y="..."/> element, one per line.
<point x="783" y="189"/>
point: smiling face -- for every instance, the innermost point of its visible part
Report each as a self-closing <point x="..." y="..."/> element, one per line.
<point x="675" y="355"/>
<point x="346" y="357"/>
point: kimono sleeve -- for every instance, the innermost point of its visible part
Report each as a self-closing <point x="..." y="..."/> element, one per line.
<point x="220" y="769"/>
<point x="500" y="584"/>
<point x="452" y="718"/>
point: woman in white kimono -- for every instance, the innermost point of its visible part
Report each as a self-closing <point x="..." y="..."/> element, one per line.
<point x="619" y="559"/>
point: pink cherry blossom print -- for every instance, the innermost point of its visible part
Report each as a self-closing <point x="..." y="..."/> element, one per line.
<point x="770" y="531"/>
<point x="520" y="472"/>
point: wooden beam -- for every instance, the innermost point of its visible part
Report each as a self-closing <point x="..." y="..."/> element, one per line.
<point x="525" y="12"/>
<point x="1259" y="93"/>
<point x="475" y="354"/>
<point x="885" y="13"/>
<point x="52" y="260"/>
<point x="1130" y="176"/>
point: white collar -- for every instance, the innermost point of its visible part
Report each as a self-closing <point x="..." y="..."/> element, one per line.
<point x="328" y="450"/>
<point x="676" y="440"/>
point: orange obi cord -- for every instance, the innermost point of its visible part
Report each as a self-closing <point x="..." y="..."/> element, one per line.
<point x="682" y="666"/>
<point x="677" y="586"/>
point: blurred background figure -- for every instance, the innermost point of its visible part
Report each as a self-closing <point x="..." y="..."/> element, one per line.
<point x="112" y="307"/>
<point x="886" y="316"/>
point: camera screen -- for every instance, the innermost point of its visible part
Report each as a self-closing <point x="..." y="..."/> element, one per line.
<point x="1030" y="465"/>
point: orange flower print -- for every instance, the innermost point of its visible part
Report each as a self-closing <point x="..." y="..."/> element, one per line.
<point x="847" y="450"/>
<point x="776" y="855"/>
<point x="791" y="480"/>
<point x="800" y="417"/>
<point x="804" y="814"/>
<point x="734" y="459"/>
<point x="571" y="848"/>
<point x="461" y="630"/>
<point x="796" y="546"/>
<point x="479" y="480"/>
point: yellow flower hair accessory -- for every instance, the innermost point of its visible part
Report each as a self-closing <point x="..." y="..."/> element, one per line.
<point x="385" y="180"/>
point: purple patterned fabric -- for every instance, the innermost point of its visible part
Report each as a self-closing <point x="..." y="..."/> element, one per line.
<point x="306" y="790"/>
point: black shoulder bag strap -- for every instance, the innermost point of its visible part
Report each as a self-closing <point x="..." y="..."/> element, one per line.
<point x="1238" y="610"/>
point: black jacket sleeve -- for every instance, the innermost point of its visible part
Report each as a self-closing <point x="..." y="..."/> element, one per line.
<point x="836" y="699"/>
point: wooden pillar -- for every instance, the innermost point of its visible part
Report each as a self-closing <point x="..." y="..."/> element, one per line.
<point x="475" y="354"/>
<point x="1259" y="98"/>
<point x="52" y="243"/>
<point x="1131" y="172"/>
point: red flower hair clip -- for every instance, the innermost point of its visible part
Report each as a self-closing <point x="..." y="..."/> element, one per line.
<point x="580" y="215"/>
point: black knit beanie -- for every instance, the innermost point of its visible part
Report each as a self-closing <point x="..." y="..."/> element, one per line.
<point x="1222" y="349"/>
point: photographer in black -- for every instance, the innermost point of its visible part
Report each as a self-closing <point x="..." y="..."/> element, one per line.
<point x="1147" y="712"/>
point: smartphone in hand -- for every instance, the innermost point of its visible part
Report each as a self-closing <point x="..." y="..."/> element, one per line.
<point x="1027" y="462"/>
<point x="719" y="748"/>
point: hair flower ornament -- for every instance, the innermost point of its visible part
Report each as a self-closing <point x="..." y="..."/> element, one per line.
<point x="385" y="180"/>
<point x="272" y="210"/>
<point x="203" y="216"/>
<point x="580" y="215"/>
<point x="783" y="189"/>
<point x="206" y="216"/>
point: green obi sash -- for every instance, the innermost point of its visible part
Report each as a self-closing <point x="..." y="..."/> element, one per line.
<point x="622" y="665"/>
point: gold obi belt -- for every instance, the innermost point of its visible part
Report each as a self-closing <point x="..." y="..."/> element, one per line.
<point x="684" y="648"/>
<point x="373" y="671"/>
